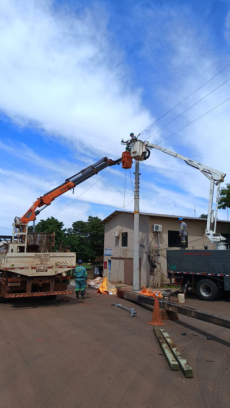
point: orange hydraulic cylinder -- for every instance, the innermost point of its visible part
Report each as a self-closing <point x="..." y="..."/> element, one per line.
<point x="126" y="160"/>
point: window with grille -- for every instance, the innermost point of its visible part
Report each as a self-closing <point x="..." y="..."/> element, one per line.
<point x="124" y="239"/>
<point x="174" y="239"/>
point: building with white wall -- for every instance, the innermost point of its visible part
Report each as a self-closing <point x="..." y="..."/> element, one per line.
<point x="118" y="244"/>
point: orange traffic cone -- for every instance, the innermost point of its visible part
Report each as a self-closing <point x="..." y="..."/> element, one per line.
<point x="156" y="317"/>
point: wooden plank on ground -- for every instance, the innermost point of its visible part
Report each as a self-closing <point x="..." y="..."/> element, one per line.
<point x="185" y="367"/>
<point x="173" y="364"/>
<point x="172" y="306"/>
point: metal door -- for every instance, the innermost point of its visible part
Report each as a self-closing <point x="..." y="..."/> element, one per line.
<point x="128" y="271"/>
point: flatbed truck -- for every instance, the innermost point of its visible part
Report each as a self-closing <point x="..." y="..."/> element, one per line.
<point x="33" y="274"/>
<point x="28" y="268"/>
<point x="206" y="272"/>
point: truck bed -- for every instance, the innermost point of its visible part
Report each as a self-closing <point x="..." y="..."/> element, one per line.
<point x="208" y="262"/>
<point x="37" y="264"/>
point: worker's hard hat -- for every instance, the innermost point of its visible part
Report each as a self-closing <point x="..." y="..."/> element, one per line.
<point x="79" y="261"/>
<point x="180" y="219"/>
<point x="132" y="134"/>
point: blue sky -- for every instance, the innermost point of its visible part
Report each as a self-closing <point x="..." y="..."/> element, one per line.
<point x="77" y="77"/>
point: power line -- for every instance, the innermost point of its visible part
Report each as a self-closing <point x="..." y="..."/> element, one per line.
<point x="126" y="204"/>
<point x="89" y="189"/>
<point x="193" y="121"/>
<point x="119" y="267"/>
<point x="131" y="180"/>
<point x="170" y="110"/>
<point x="6" y="228"/>
<point x="82" y="193"/>
<point x="124" y="191"/>
<point x="186" y="110"/>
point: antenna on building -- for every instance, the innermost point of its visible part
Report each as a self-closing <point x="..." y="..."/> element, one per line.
<point x="194" y="211"/>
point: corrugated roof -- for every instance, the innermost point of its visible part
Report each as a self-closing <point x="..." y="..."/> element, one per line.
<point x="112" y="215"/>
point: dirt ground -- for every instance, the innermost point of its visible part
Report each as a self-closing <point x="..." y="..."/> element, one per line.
<point x="91" y="354"/>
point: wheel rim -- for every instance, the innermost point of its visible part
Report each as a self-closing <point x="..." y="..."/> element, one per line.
<point x="206" y="290"/>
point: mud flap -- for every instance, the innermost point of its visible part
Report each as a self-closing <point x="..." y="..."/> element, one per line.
<point x="227" y="283"/>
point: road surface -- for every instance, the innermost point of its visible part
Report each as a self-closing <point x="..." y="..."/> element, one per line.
<point x="90" y="354"/>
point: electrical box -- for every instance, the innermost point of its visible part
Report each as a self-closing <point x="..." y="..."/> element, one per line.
<point x="115" y="233"/>
<point x="138" y="150"/>
<point x="157" y="228"/>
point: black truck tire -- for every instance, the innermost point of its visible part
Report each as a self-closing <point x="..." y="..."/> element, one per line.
<point x="206" y="289"/>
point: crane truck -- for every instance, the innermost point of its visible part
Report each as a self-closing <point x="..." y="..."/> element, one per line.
<point x="28" y="267"/>
<point x="206" y="272"/>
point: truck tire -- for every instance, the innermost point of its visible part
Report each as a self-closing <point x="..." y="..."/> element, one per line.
<point x="206" y="289"/>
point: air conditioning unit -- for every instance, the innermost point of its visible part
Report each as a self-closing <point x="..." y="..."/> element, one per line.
<point x="115" y="233"/>
<point x="157" y="228"/>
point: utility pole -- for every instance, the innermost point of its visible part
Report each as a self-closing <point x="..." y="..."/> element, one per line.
<point x="136" y="246"/>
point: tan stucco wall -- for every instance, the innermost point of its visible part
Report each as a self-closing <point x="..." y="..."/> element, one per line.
<point x="123" y="222"/>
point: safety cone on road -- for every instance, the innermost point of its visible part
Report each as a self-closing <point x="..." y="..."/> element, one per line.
<point x="156" y="316"/>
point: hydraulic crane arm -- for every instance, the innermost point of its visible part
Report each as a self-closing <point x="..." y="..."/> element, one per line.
<point x="45" y="200"/>
<point x="215" y="177"/>
<point x="209" y="172"/>
<point x="140" y="151"/>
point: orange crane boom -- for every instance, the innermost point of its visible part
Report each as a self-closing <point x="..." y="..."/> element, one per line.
<point x="45" y="200"/>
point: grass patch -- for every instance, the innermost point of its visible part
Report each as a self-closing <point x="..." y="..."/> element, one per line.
<point x="87" y="266"/>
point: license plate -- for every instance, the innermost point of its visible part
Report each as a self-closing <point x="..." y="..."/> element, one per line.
<point x="41" y="269"/>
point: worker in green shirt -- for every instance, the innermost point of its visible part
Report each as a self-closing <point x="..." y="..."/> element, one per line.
<point x="80" y="279"/>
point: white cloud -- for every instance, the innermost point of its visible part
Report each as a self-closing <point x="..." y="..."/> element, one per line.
<point x="59" y="72"/>
<point x="192" y="63"/>
<point x="24" y="153"/>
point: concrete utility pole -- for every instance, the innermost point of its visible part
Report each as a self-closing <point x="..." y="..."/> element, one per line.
<point x="136" y="246"/>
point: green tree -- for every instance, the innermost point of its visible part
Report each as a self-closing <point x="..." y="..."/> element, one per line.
<point x="84" y="238"/>
<point x="77" y="239"/>
<point x="95" y="236"/>
<point x="51" y="225"/>
<point x="224" y="201"/>
<point x="89" y="238"/>
<point x="203" y="216"/>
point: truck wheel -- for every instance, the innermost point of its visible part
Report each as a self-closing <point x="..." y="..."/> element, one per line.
<point x="206" y="289"/>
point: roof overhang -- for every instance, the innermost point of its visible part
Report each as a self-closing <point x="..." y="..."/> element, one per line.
<point x="117" y="212"/>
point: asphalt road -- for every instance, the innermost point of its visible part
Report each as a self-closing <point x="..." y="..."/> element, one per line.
<point x="91" y="354"/>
